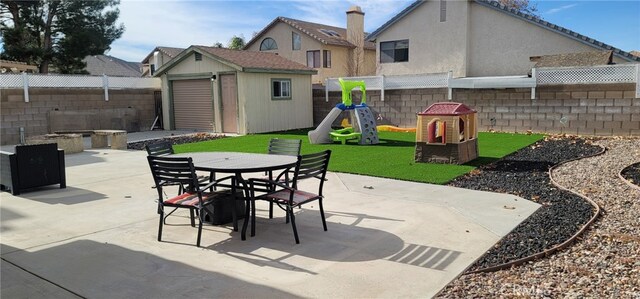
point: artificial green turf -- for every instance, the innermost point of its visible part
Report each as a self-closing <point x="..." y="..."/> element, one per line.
<point x="393" y="157"/>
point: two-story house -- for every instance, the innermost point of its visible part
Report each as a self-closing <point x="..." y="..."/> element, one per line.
<point x="332" y="51"/>
<point x="158" y="57"/>
<point x="473" y="38"/>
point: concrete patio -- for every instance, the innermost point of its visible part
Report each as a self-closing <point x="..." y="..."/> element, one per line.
<point x="386" y="238"/>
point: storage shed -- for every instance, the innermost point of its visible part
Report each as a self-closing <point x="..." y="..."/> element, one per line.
<point x="447" y="132"/>
<point x="230" y="91"/>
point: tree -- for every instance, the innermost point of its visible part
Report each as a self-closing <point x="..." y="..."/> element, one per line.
<point x="521" y="5"/>
<point x="218" y="45"/>
<point x="236" y="42"/>
<point x="58" y="33"/>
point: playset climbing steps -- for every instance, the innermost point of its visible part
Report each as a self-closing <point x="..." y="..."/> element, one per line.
<point x="366" y="125"/>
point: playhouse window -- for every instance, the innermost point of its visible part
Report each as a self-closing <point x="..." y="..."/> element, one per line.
<point x="437" y="132"/>
<point x="461" y="129"/>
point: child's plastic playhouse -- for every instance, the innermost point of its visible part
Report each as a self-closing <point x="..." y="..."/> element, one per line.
<point x="364" y="130"/>
<point x="447" y="132"/>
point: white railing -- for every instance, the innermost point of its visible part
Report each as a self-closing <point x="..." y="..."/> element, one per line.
<point x="601" y="74"/>
<point x="438" y="80"/>
<point x="26" y="81"/>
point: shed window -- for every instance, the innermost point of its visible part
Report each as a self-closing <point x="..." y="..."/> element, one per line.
<point x="313" y="59"/>
<point x="268" y="44"/>
<point x="295" y="41"/>
<point x="394" y="51"/>
<point x="280" y="89"/>
<point x="326" y="59"/>
<point x="198" y="56"/>
<point x="443" y="10"/>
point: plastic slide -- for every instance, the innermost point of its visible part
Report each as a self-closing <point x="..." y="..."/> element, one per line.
<point x="321" y="133"/>
<point x="395" y="129"/>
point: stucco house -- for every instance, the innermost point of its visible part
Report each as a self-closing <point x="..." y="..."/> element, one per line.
<point x="332" y="51"/>
<point x="473" y="38"/>
<point x="158" y="57"/>
<point x="222" y="90"/>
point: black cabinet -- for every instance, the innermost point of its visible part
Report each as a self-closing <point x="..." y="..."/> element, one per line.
<point x="32" y="166"/>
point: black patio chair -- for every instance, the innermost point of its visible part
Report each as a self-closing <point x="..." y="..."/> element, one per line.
<point x="173" y="170"/>
<point x="287" y="195"/>
<point x="165" y="148"/>
<point x="279" y="146"/>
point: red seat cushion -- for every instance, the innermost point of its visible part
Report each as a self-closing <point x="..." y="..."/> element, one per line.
<point x="299" y="196"/>
<point x="188" y="199"/>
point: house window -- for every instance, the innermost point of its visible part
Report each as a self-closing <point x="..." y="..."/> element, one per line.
<point x="394" y="51"/>
<point x="326" y="59"/>
<point x="443" y="10"/>
<point x="152" y="69"/>
<point x="198" y="56"/>
<point x="268" y="44"/>
<point x="313" y="59"/>
<point x="295" y="41"/>
<point x="280" y="89"/>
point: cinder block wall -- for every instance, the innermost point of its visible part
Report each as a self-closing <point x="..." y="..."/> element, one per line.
<point x="33" y="116"/>
<point x="602" y="110"/>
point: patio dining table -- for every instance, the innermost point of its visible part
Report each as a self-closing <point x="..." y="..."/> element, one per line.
<point x="239" y="164"/>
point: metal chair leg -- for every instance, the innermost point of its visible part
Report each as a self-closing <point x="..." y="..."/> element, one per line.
<point x="160" y="226"/>
<point x="293" y="223"/>
<point x="324" y="222"/>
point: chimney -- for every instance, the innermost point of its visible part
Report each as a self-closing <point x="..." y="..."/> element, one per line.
<point x="355" y="35"/>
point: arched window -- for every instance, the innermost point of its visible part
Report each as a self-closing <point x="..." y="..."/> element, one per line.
<point x="268" y="44"/>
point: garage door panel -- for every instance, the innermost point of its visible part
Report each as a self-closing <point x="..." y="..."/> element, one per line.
<point x="193" y="104"/>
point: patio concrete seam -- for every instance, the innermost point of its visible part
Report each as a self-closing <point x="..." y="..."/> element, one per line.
<point x="42" y="278"/>
<point x="74" y="237"/>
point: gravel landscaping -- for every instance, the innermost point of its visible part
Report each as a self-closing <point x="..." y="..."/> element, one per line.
<point x="631" y="173"/>
<point x="180" y="139"/>
<point x="525" y="174"/>
<point x="603" y="263"/>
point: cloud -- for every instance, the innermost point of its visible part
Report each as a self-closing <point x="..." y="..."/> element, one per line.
<point x="559" y="9"/>
<point x="175" y="23"/>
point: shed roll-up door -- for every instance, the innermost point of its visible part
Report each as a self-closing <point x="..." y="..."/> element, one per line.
<point x="193" y="104"/>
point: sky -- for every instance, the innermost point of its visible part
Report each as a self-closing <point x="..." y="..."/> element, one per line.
<point x="181" y="23"/>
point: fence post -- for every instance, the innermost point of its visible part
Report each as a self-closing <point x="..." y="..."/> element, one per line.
<point x="382" y="88"/>
<point x="25" y="86"/>
<point x="105" y="85"/>
<point x="326" y="90"/>
<point x="535" y="82"/>
<point x="638" y="80"/>
<point x="449" y="77"/>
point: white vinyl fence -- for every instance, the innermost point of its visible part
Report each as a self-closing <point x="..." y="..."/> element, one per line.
<point x="602" y="74"/>
<point x="26" y="81"/>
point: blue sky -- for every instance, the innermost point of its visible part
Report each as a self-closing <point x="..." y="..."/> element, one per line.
<point x="153" y="23"/>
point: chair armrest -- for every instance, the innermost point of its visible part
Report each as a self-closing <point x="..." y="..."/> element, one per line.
<point x="217" y="181"/>
<point x="270" y="182"/>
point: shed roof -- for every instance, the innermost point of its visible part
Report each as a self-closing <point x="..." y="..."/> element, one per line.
<point x="447" y="108"/>
<point x="520" y="15"/>
<point x="245" y="61"/>
<point x="315" y="31"/>
<point x="574" y="59"/>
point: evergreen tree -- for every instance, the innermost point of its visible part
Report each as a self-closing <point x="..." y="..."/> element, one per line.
<point x="58" y="33"/>
<point x="236" y="42"/>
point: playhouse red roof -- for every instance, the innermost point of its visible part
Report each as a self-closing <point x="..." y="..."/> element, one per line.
<point x="447" y="108"/>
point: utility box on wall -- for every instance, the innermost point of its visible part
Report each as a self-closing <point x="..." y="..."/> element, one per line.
<point x="447" y="132"/>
